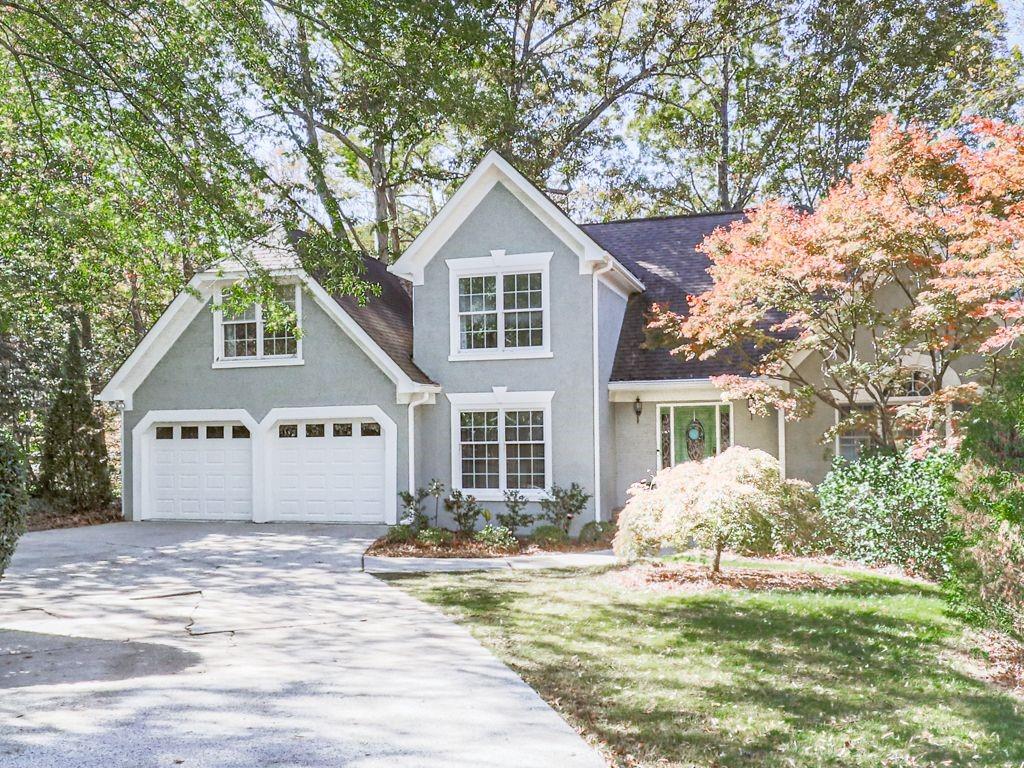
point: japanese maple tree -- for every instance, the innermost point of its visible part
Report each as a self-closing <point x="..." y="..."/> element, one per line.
<point x="913" y="263"/>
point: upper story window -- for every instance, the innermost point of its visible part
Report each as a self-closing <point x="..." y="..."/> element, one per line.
<point x="500" y="306"/>
<point x="246" y="339"/>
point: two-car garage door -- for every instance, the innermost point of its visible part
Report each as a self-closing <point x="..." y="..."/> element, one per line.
<point x="322" y="470"/>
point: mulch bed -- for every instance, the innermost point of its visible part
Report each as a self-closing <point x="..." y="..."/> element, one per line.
<point x="693" y="579"/>
<point x="470" y="549"/>
<point x="42" y="517"/>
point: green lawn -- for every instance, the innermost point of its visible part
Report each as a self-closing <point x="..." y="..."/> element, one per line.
<point x="865" y="674"/>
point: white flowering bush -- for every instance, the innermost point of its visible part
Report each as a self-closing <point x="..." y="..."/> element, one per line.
<point x="737" y="500"/>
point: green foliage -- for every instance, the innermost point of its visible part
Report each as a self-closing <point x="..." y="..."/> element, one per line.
<point x="986" y="540"/>
<point x="412" y="509"/>
<point x="595" y="532"/>
<point x="74" y="468"/>
<point x="890" y="509"/>
<point x="435" y="537"/>
<point x="497" y="536"/>
<point x="563" y="505"/>
<point x="465" y="511"/>
<point x="400" y="534"/>
<point x="13" y="497"/>
<point x="547" y="535"/>
<point x="516" y="517"/>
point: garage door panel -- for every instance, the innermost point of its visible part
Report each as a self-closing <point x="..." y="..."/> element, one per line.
<point x="201" y="477"/>
<point x="337" y="477"/>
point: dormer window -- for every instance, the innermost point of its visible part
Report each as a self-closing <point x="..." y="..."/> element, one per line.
<point x="245" y="339"/>
<point x="500" y="306"/>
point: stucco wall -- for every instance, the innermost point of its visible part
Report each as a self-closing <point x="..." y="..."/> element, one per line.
<point x="335" y="372"/>
<point x="502" y="222"/>
<point x="611" y="309"/>
<point x="637" y="442"/>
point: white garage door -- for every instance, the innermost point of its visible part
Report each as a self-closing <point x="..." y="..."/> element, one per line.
<point x="200" y="471"/>
<point x="327" y="470"/>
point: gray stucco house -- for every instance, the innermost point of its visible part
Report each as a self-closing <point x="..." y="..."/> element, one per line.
<point x="505" y="350"/>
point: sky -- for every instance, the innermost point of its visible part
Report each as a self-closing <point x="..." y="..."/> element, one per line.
<point x="1015" y="20"/>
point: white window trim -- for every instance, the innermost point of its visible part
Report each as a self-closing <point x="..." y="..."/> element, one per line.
<point x="499" y="264"/>
<point x="260" y="360"/>
<point x="716" y="404"/>
<point x="501" y="400"/>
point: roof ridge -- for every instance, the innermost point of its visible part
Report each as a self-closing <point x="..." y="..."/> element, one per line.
<point x="638" y="219"/>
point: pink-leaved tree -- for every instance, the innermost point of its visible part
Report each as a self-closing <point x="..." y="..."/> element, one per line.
<point x="914" y="263"/>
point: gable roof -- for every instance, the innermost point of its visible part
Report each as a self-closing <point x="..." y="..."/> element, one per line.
<point x="494" y="169"/>
<point x="382" y="327"/>
<point x="663" y="253"/>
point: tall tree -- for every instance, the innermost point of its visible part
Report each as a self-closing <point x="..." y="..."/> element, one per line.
<point x="74" y="468"/>
<point x="786" y="108"/>
<point x="915" y="263"/>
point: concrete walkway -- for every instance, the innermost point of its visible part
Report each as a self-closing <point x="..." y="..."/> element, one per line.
<point x="517" y="562"/>
<point x="224" y="645"/>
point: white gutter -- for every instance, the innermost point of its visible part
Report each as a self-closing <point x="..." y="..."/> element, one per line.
<point x="411" y="458"/>
<point x="609" y="264"/>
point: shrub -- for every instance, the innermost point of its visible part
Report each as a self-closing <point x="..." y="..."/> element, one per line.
<point x="545" y="535"/>
<point x="890" y="509"/>
<point x="516" y="517"/>
<point x="735" y="500"/>
<point x="564" y="504"/>
<point x="435" y="537"/>
<point x="73" y="466"/>
<point x="497" y="536"/>
<point x="413" y="515"/>
<point x="594" y="532"/>
<point x="465" y="511"/>
<point x="13" y="498"/>
<point x="986" y="547"/>
<point x="400" y="534"/>
<point x="986" y="540"/>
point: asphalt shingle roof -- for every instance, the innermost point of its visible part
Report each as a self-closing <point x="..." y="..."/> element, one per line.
<point x="662" y="252"/>
<point x="386" y="318"/>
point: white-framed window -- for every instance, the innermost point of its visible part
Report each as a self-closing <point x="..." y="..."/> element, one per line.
<point x="692" y="431"/>
<point x="501" y="440"/>
<point x="500" y="306"/>
<point x="854" y="439"/>
<point x="244" y="339"/>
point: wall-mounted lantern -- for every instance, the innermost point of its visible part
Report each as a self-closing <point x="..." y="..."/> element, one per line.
<point x="638" y="408"/>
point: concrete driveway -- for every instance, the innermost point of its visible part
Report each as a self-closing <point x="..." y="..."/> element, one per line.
<point x="181" y="644"/>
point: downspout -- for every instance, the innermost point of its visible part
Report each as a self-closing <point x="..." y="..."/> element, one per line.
<point x="608" y="264"/>
<point x="416" y="400"/>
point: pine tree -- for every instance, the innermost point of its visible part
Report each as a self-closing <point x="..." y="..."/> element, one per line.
<point x="74" y="470"/>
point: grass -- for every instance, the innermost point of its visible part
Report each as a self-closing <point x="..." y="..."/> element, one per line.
<point x="865" y="674"/>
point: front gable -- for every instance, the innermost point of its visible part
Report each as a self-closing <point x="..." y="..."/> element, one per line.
<point x="496" y="172"/>
<point x="187" y="309"/>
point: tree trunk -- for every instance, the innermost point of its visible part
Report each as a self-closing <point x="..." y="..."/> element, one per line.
<point x="724" y="203"/>
<point x="381" y="209"/>
<point x="138" y="321"/>
<point x="716" y="565"/>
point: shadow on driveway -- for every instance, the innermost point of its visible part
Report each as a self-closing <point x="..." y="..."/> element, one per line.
<point x="36" y="658"/>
